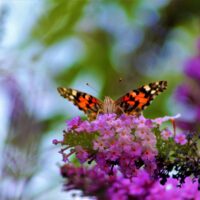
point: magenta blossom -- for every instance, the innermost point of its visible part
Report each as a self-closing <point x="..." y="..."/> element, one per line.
<point x="117" y="187"/>
<point x="126" y="143"/>
<point x="180" y="139"/>
<point x="192" y="68"/>
<point x="166" y="134"/>
<point x="73" y="123"/>
<point x="128" y="157"/>
<point x="187" y="94"/>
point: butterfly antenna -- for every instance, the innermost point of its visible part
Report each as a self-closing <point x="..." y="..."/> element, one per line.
<point x="91" y="87"/>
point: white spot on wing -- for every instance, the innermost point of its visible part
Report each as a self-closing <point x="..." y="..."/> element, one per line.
<point x="147" y="88"/>
<point x="74" y="92"/>
<point x="71" y="97"/>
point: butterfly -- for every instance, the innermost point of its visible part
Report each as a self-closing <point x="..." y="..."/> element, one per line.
<point x="132" y="103"/>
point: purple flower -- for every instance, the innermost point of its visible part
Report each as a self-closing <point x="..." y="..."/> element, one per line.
<point x="166" y="134"/>
<point x="183" y="93"/>
<point x="83" y="179"/>
<point x="188" y="94"/>
<point x="115" y="142"/>
<point x="165" y="192"/>
<point x="134" y="188"/>
<point x="96" y="183"/>
<point x="124" y="151"/>
<point x="198" y="113"/>
<point x="73" y="123"/>
<point x="107" y="132"/>
<point x="55" y="141"/>
<point x="180" y="139"/>
<point x="135" y="149"/>
<point x="81" y="154"/>
<point x="142" y="132"/>
<point x="84" y="126"/>
<point x="112" y="154"/>
<point x="149" y="154"/>
<point x="98" y="145"/>
<point x="192" y="68"/>
<point x="190" y="189"/>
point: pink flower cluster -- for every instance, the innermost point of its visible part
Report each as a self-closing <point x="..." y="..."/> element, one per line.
<point x="143" y="187"/>
<point x="122" y="141"/>
<point x="127" y="154"/>
<point x="116" y="187"/>
<point x="125" y="143"/>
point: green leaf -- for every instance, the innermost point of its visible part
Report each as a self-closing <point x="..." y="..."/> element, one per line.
<point x="85" y="140"/>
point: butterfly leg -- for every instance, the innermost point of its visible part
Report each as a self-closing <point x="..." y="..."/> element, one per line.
<point x="119" y="108"/>
<point x="121" y="111"/>
<point x="99" y="112"/>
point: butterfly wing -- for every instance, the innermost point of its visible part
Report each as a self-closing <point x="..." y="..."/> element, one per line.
<point x="90" y="105"/>
<point x="137" y="100"/>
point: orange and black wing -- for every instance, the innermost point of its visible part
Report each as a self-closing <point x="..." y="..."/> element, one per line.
<point x="137" y="100"/>
<point x="90" y="105"/>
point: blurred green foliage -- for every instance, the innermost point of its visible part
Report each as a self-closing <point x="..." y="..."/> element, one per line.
<point x="84" y="140"/>
<point x="58" y="20"/>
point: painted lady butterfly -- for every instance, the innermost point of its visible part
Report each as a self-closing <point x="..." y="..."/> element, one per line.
<point x="132" y="103"/>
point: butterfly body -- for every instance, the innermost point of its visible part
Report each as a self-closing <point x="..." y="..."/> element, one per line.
<point x="109" y="105"/>
<point x="132" y="103"/>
